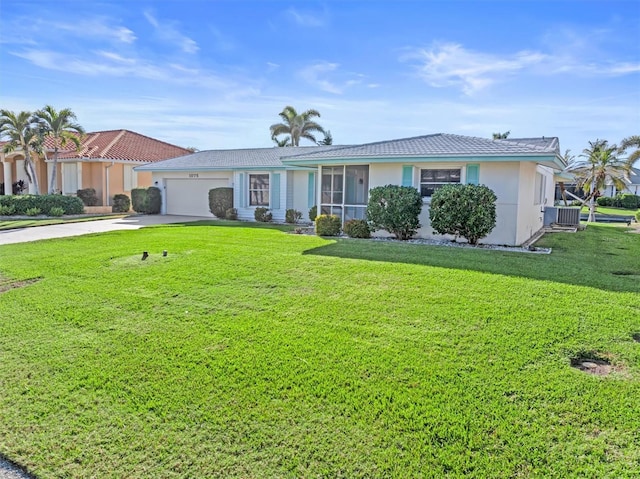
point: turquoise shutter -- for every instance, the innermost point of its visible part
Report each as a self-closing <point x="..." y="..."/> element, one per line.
<point x="242" y="200"/>
<point x="311" y="201"/>
<point x="407" y="175"/>
<point x="473" y="174"/>
<point x="275" y="191"/>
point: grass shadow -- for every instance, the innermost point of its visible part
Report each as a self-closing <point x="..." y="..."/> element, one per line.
<point x="593" y="258"/>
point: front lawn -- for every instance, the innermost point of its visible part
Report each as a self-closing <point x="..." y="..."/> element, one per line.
<point x="249" y="352"/>
<point x="8" y="223"/>
<point x="610" y="210"/>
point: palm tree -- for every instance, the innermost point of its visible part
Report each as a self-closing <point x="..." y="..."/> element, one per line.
<point x="22" y="135"/>
<point x="501" y="136"/>
<point x="600" y="166"/>
<point x="328" y="139"/>
<point x="297" y="125"/>
<point x="631" y="142"/>
<point x="60" y="126"/>
<point x="286" y="141"/>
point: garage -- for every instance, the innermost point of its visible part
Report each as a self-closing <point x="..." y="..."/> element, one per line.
<point x="190" y="197"/>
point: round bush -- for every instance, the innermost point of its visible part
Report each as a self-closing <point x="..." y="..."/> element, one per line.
<point x="262" y="215"/>
<point x="121" y="204"/>
<point x="328" y="225"/>
<point x="292" y="216"/>
<point x="604" y="201"/>
<point x="231" y="214"/>
<point x="357" y="229"/>
<point x="313" y="213"/>
<point x="395" y="209"/>
<point x="463" y="210"/>
<point x="220" y="201"/>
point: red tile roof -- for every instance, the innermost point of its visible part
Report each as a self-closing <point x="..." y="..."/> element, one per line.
<point x="123" y="145"/>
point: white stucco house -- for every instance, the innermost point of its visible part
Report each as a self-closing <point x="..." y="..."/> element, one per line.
<point x="257" y="175"/>
<point x="338" y="178"/>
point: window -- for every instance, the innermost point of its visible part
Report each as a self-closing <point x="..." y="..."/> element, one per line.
<point x="433" y="179"/>
<point x="345" y="191"/>
<point x="259" y="190"/>
<point x="539" y="190"/>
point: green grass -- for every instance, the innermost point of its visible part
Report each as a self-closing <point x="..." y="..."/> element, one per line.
<point x="610" y="210"/>
<point x="28" y="223"/>
<point x="248" y="352"/>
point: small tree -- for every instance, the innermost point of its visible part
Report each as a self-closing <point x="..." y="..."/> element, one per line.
<point x="463" y="210"/>
<point x="395" y="209"/>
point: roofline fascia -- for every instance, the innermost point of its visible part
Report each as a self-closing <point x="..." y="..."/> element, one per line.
<point x="547" y="158"/>
<point x="148" y="167"/>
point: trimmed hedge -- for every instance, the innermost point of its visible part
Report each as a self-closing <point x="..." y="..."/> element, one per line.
<point x="146" y="200"/>
<point x="395" y="209"/>
<point x="292" y="216"/>
<point x="463" y="210"/>
<point x="88" y="196"/>
<point x="357" y="229"/>
<point x="220" y="201"/>
<point x="328" y="225"/>
<point x="121" y="204"/>
<point x="623" y="200"/>
<point x="71" y="205"/>
<point x="262" y="215"/>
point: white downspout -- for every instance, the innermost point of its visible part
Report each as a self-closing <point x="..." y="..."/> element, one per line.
<point x="106" y="169"/>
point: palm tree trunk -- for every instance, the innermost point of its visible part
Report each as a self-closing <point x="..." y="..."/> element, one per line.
<point x="32" y="173"/>
<point x="54" y="173"/>
<point x="592" y="203"/>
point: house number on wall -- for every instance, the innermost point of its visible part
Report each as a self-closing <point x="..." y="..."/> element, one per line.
<point x="193" y="175"/>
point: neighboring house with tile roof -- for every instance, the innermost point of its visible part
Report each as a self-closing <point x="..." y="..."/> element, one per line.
<point x="104" y="161"/>
<point x="338" y="178"/>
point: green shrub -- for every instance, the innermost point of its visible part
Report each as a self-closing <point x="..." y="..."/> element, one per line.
<point x="328" y="225"/>
<point x="139" y="200"/>
<point x="154" y="200"/>
<point x="71" y="205"/>
<point x="33" y="211"/>
<point x="638" y="216"/>
<point x="463" y="210"/>
<point x="220" y="201"/>
<point x="357" y="229"/>
<point x="313" y="213"/>
<point x="627" y="201"/>
<point x="7" y="210"/>
<point x="88" y="196"/>
<point x="395" y="209"/>
<point x="292" y="216"/>
<point x="56" y="211"/>
<point x="263" y="215"/>
<point x="605" y="201"/>
<point x="121" y="204"/>
<point x="231" y="214"/>
<point x="146" y="200"/>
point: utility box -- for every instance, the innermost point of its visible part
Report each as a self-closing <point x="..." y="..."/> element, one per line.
<point x="563" y="216"/>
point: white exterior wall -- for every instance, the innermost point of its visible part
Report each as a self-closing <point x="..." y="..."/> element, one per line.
<point x="301" y="192"/>
<point x="517" y="218"/>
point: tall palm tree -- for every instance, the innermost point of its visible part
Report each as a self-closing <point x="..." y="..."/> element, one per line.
<point x="599" y="166"/>
<point x="60" y="126"/>
<point x="22" y="135"/>
<point x="631" y="142"/>
<point x="297" y="125"/>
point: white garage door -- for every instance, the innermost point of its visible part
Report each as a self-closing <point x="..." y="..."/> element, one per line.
<point x="190" y="197"/>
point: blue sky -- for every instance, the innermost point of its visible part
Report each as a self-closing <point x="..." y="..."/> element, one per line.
<point x="216" y="73"/>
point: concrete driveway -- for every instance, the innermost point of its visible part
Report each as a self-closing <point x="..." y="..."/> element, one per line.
<point x="133" y="222"/>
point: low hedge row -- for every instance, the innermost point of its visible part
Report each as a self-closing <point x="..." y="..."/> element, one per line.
<point x="70" y="205"/>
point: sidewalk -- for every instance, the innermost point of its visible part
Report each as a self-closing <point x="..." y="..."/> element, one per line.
<point x="133" y="222"/>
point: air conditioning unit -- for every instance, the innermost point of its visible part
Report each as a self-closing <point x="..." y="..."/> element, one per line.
<point x="563" y="216"/>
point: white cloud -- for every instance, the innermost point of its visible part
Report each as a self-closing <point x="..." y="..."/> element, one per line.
<point x="307" y="19"/>
<point x="170" y="34"/>
<point x="326" y="77"/>
<point x="450" y="64"/>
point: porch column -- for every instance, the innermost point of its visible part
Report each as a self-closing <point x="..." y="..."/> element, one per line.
<point x="8" y="178"/>
<point x="49" y="176"/>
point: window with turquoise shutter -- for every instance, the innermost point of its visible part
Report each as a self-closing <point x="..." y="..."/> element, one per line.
<point x="407" y="175"/>
<point x="473" y="174"/>
<point x="275" y="191"/>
